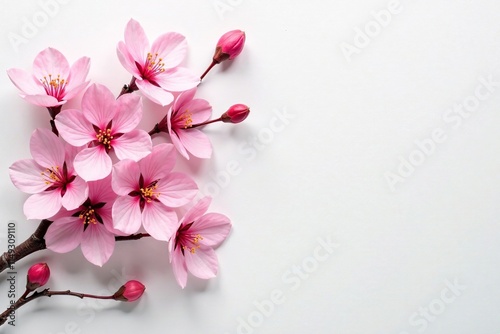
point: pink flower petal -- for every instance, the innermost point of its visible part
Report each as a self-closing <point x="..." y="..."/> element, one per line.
<point x="25" y="82"/>
<point x="128" y="113"/>
<point x="156" y="94"/>
<point x="136" y="41"/>
<point x="200" y="110"/>
<point x="78" y="74"/>
<point x="63" y="213"/>
<point x="107" y="218"/>
<point x="176" y="190"/>
<point x="74" y="127"/>
<point x="159" y="221"/>
<point x="179" y="266"/>
<point x="158" y="164"/>
<point x="69" y="156"/>
<point x="177" y="79"/>
<point x="43" y="205"/>
<point x="75" y="90"/>
<point x="64" y="234"/>
<point x="171" y="47"/>
<point x="93" y="163"/>
<point x="43" y="100"/>
<point x="101" y="192"/>
<point x="125" y="177"/>
<point x="127" y="214"/>
<point x="197" y="210"/>
<point x="47" y="149"/>
<point x="97" y="244"/>
<point x="213" y="227"/>
<point x="127" y="60"/>
<point x="50" y="62"/>
<point x="203" y="263"/>
<point x="98" y="105"/>
<point x="177" y="143"/>
<point x="184" y="98"/>
<point x="76" y="193"/>
<point x="133" y="145"/>
<point x="196" y="142"/>
<point x="25" y="175"/>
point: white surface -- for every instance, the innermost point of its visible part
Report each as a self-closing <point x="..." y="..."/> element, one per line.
<point x="321" y="176"/>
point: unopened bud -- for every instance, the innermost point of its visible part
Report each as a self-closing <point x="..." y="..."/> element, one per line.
<point x="229" y="46"/>
<point x="130" y="291"/>
<point x="38" y="275"/>
<point x="236" y="114"/>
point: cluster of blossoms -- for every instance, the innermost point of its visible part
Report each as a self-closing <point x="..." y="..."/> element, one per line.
<point x="97" y="177"/>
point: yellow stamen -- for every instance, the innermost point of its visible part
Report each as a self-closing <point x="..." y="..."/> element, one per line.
<point x="88" y="216"/>
<point x="196" y="241"/>
<point x="105" y="138"/>
<point x="186" y="117"/>
<point x="154" y="64"/>
<point x="51" y="175"/>
<point x="149" y="193"/>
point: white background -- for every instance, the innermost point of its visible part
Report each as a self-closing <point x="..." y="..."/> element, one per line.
<point x="319" y="175"/>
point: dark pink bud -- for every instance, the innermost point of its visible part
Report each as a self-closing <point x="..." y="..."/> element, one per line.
<point x="130" y="291"/>
<point x="229" y="46"/>
<point x="236" y="114"/>
<point x="38" y="275"/>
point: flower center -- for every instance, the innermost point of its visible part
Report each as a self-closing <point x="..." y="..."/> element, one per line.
<point x="149" y="193"/>
<point x="88" y="216"/>
<point x="146" y="193"/>
<point x="89" y="213"/>
<point x="57" y="178"/>
<point x="193" y="244"/>
<point x="105" y="137"/>
<point x="186" y="240"/>
<point x="52" y="175"/>
<point x="153" y="66"/>
<point x="186" y="119"/>
<point x="54" y="86"/>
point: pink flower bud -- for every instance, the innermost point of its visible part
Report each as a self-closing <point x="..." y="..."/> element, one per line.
<point x="38" y="275"/>
<point x="130" y="291"/>
<point x="229" y="46"/>
<point x="236" y="114"/>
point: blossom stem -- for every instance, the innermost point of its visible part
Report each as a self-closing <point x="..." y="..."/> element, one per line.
<point x="205" y="123"/>
<point x="53" y="127"/>
<point x="53" y="112"/>
<point x="136" y="236"/>
<point x="209" y="68"/>
<point x="154" y="130"/>
<point x="131" y="87"/>
<point x="24" y="299"/>
<point x="36" y="242"/>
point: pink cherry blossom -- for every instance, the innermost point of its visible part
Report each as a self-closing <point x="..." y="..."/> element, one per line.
<point x="104" y="124"/>
<point x="148" y="189"/>
<point x="49" y="176"/>
<point x="90" y="225"/>
<point x="184" y="113"/>
<point x="192" y="247"/>
<point x="53" y="81"/>
<point x="156" y="68"/>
